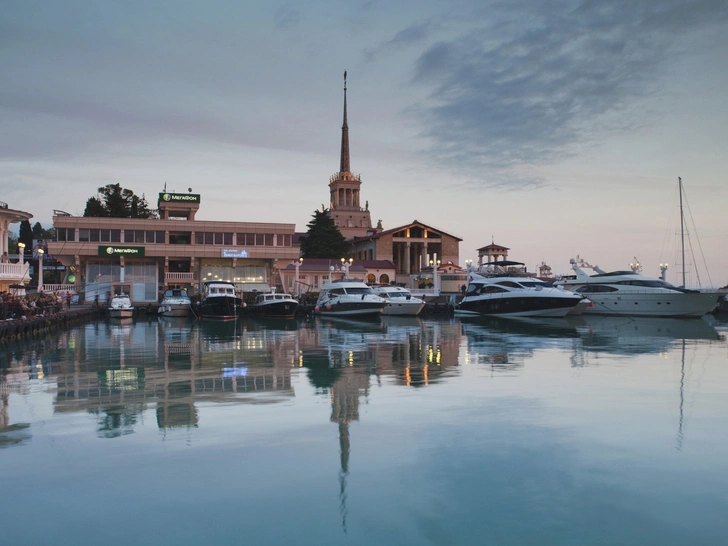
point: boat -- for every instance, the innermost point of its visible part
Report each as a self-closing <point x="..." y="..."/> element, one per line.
<point x="631" y="293"/>
<point x="399" y="300"/>
<point x="120" y="307"/>
<point x="220" y="301"/>
<point x="273" y="305"/>
<point x="175" y="303"/>
<point x="348" y="297"/>
<point x="501" y="290"/>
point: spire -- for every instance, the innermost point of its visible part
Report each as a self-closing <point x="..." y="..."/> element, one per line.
<point x="344" y="164"/>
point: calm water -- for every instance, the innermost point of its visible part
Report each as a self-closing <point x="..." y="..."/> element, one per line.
<point x="403" y="431"/>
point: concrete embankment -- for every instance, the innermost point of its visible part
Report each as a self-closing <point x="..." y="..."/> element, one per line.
<point x="41" y="324"/>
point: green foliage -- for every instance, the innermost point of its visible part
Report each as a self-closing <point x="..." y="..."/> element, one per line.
<point x="25" y="235"/>
<point x="40" y="233"/>
<point x="113" y="201"/>
<point x="324" y="240"/>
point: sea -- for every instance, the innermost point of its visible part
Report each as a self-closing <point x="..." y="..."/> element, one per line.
<point x="403" y="431"/>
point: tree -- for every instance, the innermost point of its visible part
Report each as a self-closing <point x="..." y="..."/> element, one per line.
<point x="40" y="233"/>
<point x="323" y="240"/>
<point x="116" y="202"/>
<point x="25" y="235"/>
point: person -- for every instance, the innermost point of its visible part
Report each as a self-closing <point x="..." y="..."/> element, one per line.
<point x="96" y="300"/>
<point x="4" y="258"/>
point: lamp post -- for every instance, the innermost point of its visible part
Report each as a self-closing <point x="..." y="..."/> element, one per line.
<point x="21" y="252"/>
<point x="297" y="287"/>
<point x="346" y="265"/>
<point x="468" y="265"/>
<point x="435" y="265"/>
<point x="663" y="271"/>
<point x="40" y="271"/>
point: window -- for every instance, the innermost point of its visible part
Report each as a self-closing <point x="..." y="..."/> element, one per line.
<point x="83" y="235"/>
<point x="227" y="238"/>
<point x="268" y="239"/>
<point x="66" y="234"/>
<point x="259" y="239"/>
<point x="284" y="240"/>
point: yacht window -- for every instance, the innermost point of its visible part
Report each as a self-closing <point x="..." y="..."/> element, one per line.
<point x="492" y="289"/>
<point x="357" y="290"/>
<point x="337" y="291"/>
<point x="533" y="284"/>
<point x="595" y="288"/>
<point x="509" y="284"/>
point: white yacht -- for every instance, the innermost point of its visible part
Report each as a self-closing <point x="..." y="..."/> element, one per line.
<point x="399" y="300"/>
<point x="500" y="292"/>
<point x="348" y="297"/>
<point x="120" y="307"/>
<point x="631" y="293"/>
<point x="175" y="303"/>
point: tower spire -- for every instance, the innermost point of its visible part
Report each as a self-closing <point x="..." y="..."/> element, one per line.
<point x="344" y="166"/>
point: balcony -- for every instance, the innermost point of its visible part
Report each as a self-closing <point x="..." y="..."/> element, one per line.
<point x="178" y="278"/>
<point x="14" y="273"/>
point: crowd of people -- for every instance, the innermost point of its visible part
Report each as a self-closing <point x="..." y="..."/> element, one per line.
<point x="19" y="307"/>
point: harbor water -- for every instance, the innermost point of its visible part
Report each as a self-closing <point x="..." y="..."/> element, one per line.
<point x="581" y="431"/>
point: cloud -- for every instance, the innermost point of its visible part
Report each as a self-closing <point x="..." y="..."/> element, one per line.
<point x="407" y="37"/>
<point x="287" y="18"/>
<point x="528" y="82"/>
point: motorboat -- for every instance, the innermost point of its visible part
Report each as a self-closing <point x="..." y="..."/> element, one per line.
<point x="399" y="300"/>
<point x="175" y="303"/>
<point x="348" y="297"/>
<point x="120" y="307"/>
<point x="220" y="301"/>
<point x="501" y="290"/>
<point x="634" y="294"/>
<point x="273" y="305"/>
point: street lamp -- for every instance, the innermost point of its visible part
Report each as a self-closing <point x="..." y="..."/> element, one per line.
<point x="346" y="265"/>
<point x="468" y="264"/>
<point x="297" y="286"/>
<point x="39" y="289"/>
<point x="435" y="266"/>
<point x="21" y="252"/>
<point x="663" y="271"/>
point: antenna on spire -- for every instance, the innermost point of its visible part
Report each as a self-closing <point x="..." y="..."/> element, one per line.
<point x="165" y="186"/>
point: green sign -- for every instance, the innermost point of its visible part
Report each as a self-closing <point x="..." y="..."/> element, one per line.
<point x="179" y="197"/>
<point x="121" y="250"/>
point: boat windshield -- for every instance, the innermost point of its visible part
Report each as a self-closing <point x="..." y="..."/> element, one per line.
<point x="359" y="290"/>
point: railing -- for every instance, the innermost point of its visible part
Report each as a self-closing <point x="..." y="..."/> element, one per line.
<point x="52" y="288"/>
<point x="178" y="277"/>
<point x="14" y="272"/>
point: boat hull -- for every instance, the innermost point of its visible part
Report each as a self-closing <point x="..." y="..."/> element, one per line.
<point x="221" y="308"/>
<point x="358" y="308"/>
<point x="517" y="306"/>
<point x="121" y="313"/>
<point x="409" y="309"/>
<point x="678" y="304"/>
<point x="174" y="310"/>
<point x="278" y="309"/>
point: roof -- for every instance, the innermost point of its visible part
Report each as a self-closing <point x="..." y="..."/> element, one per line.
<point x="493" y="246"/>
<point x="399" y="228"/>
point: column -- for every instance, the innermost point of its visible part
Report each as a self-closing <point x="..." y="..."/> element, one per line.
<point x="407" y="259"/>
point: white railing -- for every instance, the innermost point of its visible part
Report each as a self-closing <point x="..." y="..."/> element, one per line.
<point x="14" y="272"/>
<point x="178" y="277"/>
<point x="52" y="288"/>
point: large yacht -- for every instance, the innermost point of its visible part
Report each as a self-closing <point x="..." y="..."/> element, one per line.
<point x="350" y="297"/>
<point x="634" y="294"/>
<point x="399" y="300"/>
<point x="220" y="301"/>
<point x="501" y="290"/>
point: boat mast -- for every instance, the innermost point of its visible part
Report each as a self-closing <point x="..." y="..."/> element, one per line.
<point x="682" y="231"/>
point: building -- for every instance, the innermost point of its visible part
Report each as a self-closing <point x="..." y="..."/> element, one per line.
<point x="345" y="208"/>
<point x="140" y="257"/>
<point x="11" y="273"/>
<point x="307" y="275"/>
<point x="492" y="253"/>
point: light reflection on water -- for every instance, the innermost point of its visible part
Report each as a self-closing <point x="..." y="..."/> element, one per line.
<point x="591" y="430"/>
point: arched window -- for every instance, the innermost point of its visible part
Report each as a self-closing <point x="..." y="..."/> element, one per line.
<point x="384" y="279"/>
<point x="371" y="279"/>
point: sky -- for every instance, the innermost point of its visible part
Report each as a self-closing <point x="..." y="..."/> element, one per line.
<point x="555" y="128"/>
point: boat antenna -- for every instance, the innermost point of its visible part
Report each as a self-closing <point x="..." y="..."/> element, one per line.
<point x="682" y="230"/>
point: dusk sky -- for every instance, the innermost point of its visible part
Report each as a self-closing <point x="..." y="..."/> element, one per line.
<point x="553" y="128"/>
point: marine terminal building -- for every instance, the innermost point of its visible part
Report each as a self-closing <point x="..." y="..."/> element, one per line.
<point x="141" y="256"/>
